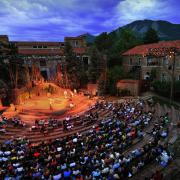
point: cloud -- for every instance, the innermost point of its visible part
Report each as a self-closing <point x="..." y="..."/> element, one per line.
<point x="127" y="11"/>
<point x="54" y="19"/>
<point x="26" y="16"/>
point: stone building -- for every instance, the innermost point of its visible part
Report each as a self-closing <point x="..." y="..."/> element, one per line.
<point x="138" y="61"/>
<point x="47" y="55"/>
<point x="133" y="86"/>
<point x="43" y="55"/>
<point x="79" y="45"/>
<point x="4" y="43"/>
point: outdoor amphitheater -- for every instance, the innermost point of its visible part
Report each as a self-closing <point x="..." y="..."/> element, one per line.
<point x="67" y="135"/>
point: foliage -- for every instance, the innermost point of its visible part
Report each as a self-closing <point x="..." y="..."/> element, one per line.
<point x="103" y="83"/>
<point x="153" y="74"/>
<point x="163" y="88"/>
<point x="103" y="41"/>
<point x="93" y="71"/>
<point x="3" y="89"/>
<point x="73" y="68"/>
<point x="4" y="75"/>
<point x="113" y="45"/>
<point x="150" y="36"/>
<point x="114" y="59"/>
<point x="126" y="40"/>
<point x="177" y="87"/>
<point x="124" y="92"/>
<point x="114" y="74"/>
<point x="162" y="101"/>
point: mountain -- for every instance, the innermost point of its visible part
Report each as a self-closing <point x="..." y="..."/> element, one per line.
<point x="165" y="29"/>
<point x="89" y="37"/>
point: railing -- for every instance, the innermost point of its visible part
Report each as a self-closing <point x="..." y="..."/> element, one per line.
<point x="153" y="63"/>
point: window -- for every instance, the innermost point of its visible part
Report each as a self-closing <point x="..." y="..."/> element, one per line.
<point x="75" y="43"/>
<point x="42" y="63"/>
<point x="62" y="44"/>
<point x="149" y="61"/>
<point x="165" y="61"/>
<point x="139" y="62"/>
<point x="34" y="47"/>
<point x="163" y="77"/>
<point x="130" y="61"/>
<point x="152" y="61"/>
<point x="44" y="47"/>
<point x="40" y="47"/>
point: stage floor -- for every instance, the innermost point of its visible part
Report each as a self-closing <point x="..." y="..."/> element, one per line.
<point x="39" y="107"/>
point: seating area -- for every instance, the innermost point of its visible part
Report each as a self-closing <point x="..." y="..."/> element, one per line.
<point x="110" y="141"/>
<point x="13" y="122"/>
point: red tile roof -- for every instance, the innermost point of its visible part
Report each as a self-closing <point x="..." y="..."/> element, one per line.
<point x="143" y="49"/>
<point x="36" y="43"/>
<point x="40" y="51"/>
<point x="49" y="51"/>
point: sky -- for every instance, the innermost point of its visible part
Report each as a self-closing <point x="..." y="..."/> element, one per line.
<point x="52" y="20"/>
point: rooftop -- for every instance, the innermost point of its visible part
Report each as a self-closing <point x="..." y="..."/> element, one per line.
<point x="143" y="49"/>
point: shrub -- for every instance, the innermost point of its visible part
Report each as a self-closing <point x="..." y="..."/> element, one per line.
<point x="124" y="92"/>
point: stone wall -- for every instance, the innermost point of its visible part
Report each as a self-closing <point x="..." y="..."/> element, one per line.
<point x="162" y="68"/>
<point x="92" y="89"/>
<point x="134" y="86"/>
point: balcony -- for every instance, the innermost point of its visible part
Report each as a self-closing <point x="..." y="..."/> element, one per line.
<point x="153" y="63"/>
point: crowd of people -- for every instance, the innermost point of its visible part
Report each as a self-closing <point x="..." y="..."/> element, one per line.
<point x="3" y="123"/>
<point x="46" y="125"/>
<point x="96" y="154"/>
<point x="15" y="122"/>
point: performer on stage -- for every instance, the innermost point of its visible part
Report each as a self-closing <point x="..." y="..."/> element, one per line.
<point x="65" y="94"/>
<point x="50" y="104"/>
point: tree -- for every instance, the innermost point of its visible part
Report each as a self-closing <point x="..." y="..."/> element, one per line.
<point x="150" y="36"/>
<point x="127" y="39"/>
<point x="103" y="41"/>
<point x="93" y="71"/>
<point x="114" y="74"/>
<point x="103" y="80"/>
<point x="153" y="74"/>
<point x="72" y="72"/>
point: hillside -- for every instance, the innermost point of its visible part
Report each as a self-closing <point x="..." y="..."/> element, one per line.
<point x="165" y="29"/>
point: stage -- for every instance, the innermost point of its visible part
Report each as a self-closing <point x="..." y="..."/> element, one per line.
<point x="44" y="106"/>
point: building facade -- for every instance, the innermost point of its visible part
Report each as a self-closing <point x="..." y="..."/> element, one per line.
<point x="4" y="45"/>
<point x="138" y="61"/>
<point x="44" y="55"/>
<point x="80" y="49"/>
<point x="47" y="55"/>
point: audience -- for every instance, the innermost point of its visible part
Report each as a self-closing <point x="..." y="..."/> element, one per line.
<point x="96" y="154"/>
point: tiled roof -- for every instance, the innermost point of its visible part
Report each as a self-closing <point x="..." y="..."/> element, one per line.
<point x="49" y="51"/>
<point x="143" y="49"/>
<point x="36" y="43"/>
<point x="128" y="81"/>
<point x="40" y="51"/>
